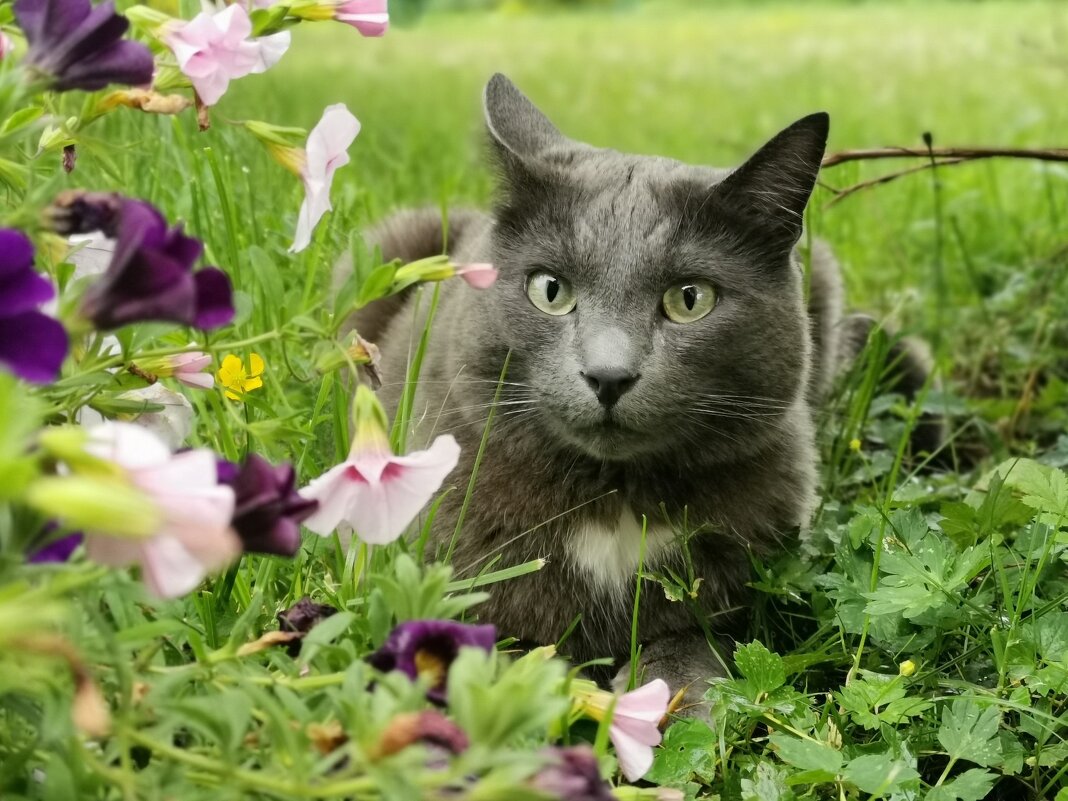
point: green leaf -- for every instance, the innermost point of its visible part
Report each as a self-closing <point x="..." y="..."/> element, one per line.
<point x="376" y="285"/>
<point x="972" y="785"/>
<point x="687" y="753"/>
<point x="767" y="784"/>
<point x="762" y="669"/>
<point x="970" y="732"/>
<point x="20" y="119"/>
<point x="809" y="755"/>
<point x="881" y="774"/>
<point x="1043" y="488"/>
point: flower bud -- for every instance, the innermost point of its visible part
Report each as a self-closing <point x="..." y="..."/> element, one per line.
<point x="95" y="504"/>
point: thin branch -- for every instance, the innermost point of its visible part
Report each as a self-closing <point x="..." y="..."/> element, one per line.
<point x="937" y="157"/>
<point x="842" y="194"/>
<point x="956" y="153"/>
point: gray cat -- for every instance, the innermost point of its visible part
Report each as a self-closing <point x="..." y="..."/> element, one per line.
<point x="664" y="365"/>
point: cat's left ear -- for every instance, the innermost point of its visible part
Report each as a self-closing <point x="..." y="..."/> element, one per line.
<point x="776" y="182"/>
<point x="516" y="126"/>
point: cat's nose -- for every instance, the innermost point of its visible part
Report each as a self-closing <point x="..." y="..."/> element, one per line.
<point x="609" y="383"/>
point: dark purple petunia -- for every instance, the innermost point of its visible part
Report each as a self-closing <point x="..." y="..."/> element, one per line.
<point x="301" y="618"/>
<point x="32" y="344"/>
<point x="57" y="551"/>
<point x="75" y="211"/>
<point x="427" y="648"/>
<point x="81" y="47"/>
<point x="151" y="277"/>
<point x="268" y="509"/>
<point x="572" y="775"/>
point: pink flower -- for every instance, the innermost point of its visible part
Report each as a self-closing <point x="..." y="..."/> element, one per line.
<point x="194" y="536"/>
<point x="369" y="17"/>
<point x="326" y="151"/>
<point x="479" y="275"/>
<point x="189" y="369"/>
<point x="213" y="49"/>
<point x="635" y="727"/>
<point x="373" y="491"/>
<point x="5" y="46"/>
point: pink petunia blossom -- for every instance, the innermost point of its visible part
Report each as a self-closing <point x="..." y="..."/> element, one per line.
<point x="326" y="151"/>
<point x="213" y="49"/>
<point x="635" y="727"/>
<point x="369" y="17"/>
<point x="480" y="275"/>
<point x="194" y="537"/>
<point x="375" y="492"/>
<point x="189" y="369"/>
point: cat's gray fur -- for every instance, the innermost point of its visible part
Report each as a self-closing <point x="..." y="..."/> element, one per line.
<point x="718" y="429"/>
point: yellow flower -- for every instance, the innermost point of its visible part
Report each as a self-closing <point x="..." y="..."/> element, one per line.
<point x="236" y="379"/>
<point x="907" y="668"/>
<point x="854" y="444"/>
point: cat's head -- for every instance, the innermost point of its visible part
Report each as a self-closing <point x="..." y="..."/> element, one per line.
<point x="650" y="306"/>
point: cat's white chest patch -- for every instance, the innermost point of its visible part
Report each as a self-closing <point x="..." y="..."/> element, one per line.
<point x="608" y="554"/>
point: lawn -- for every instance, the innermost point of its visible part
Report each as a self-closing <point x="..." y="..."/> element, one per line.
<point x="916" y="648"/>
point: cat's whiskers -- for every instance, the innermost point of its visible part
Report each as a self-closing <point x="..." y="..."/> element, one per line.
<point x="501" y="418"/>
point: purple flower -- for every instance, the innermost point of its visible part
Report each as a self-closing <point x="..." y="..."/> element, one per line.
<point x="151" y="277"/>
<point x="81" y="47"/>
<point x="75" y="211"/>
<point x="301" y="618"/>
<point x="57" y="550"/>
<point x="426" y="648"/>
<point x="572" y="775"/>
<point x="269" y="510"/>
<point x="32" y="344"/>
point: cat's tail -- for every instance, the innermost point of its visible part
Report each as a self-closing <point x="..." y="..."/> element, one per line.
<point x="407" y="235"/>
<point x="905" y="367"/>
<point x="419" y="233"/>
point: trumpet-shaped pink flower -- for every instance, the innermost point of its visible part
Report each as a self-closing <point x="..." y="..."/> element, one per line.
<point x="369" y="17"/>
<point x="480" y="275"/>
<point x="213" y="49"/>
<point x="188" y="368"/>
<point x="194" y="537"/>
<point x="375" y="492"/>
<point x="325" y="152"/>
<point x="635" y="727"/>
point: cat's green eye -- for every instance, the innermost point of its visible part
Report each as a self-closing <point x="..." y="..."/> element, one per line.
<point x="551" y="293"/>
<point x="689" y="301"/>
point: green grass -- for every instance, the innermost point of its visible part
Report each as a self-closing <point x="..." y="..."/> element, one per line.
<point x="972" y="258"/>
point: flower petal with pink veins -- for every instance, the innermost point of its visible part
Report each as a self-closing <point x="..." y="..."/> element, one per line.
<point x="271" y="50"/>
<point x="406" y="486"/>
<point x="635" y="727"/>
<point x="331" y="490"/>
<point x="168" y="569"/>
<point x="326" y="151"/>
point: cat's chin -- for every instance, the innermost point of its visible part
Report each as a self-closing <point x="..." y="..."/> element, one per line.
<point x="609" y="441"/>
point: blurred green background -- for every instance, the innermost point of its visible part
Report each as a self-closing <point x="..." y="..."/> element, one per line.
<point x="708" y="82"/>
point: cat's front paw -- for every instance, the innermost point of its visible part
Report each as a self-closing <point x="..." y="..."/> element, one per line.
<point x="686" y="663"/>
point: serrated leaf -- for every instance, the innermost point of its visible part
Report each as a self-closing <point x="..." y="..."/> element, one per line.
<point x="686" y="753"/>
<point x="970" y="732"/>
<point x="880" y="774"/>
<point x="767" y="784"/>
<point x="762" y="669"/>
<point x="808" y="755"/>
<point x="972" y="785"/>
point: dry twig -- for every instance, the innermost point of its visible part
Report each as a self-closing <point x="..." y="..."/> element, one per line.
<point x="937" y="157"/>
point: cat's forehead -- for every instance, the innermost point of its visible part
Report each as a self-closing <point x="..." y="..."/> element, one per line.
<point x="627" y="205"/>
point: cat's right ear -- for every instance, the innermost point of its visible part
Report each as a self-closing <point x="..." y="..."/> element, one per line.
<point x="519" y="132"/>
